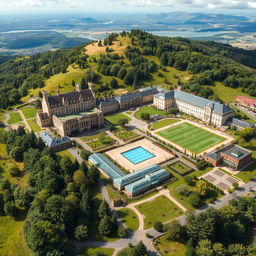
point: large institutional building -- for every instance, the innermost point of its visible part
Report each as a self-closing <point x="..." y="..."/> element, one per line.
<point x="208" y="111"/>
<point x="78" y="111"/>
<point x="70" y="113"/>
<point x="133" y="183"/>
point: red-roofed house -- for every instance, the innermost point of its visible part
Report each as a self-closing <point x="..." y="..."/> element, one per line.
<point x="246" y="102"/>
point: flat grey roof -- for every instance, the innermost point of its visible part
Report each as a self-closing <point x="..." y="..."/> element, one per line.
<point x="236" y="152"/>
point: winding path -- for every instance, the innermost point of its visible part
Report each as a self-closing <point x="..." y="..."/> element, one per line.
<point x="139" y="235"/>
<point x="25" y="121"/>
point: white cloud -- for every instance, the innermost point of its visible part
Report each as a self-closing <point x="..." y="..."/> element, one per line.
<point x="27" y="3"/>
<point x="210" y="4"/>
<point x="46" y="3"/>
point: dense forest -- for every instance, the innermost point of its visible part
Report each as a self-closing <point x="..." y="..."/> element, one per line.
<point x="18" y="75"/>
<point x="223" y="232"/>
<point x="59" y="209"/>
<point x="207" y="62"/>
<point x="57" y="202"/>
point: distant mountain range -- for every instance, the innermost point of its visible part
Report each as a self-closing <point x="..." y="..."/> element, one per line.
<point x="89" y="20"/>
<point x="178" y="18"/>
<point x="29" y="35"/>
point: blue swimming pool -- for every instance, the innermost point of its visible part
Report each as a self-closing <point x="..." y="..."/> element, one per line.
<point x="137" y="155"/>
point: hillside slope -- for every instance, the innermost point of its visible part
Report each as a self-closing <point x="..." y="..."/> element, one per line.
<point x="128" y="61"/>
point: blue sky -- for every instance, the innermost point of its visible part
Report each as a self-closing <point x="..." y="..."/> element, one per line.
<point x="104" y="6"/>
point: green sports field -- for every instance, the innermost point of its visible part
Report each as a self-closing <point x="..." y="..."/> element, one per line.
<point x="190" y="137"/>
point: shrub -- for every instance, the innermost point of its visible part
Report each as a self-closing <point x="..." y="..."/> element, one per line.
<point x="13" y="170"/>
<point x="112" y="128"/>
<point x="174" y="231"/>
<point x="85" y="154"/>
<point x="194" y="199"/>
<point x="158" y="226"/>
<point x="145" y="116"/>
<point x="189" y="180"/>
<point x="235" y="185"/>
<point x="182" y="190"/>
<point x="81" y="232"/>
<point x="122" y="232"/>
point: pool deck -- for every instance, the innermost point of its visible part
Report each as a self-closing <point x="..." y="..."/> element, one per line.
<point x="161" y="155"/>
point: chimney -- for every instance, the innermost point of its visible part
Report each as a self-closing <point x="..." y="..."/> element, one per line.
<point x="90" y="86"/>
<point x="45" y="94"/>
<point x="58" y="92"/>
<point x="78" y="88"/>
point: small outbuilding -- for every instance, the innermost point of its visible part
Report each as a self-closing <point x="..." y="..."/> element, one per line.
<point x="56" y="144"/>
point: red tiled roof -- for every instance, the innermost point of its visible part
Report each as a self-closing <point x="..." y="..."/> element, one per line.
<point x="246" y="100"/>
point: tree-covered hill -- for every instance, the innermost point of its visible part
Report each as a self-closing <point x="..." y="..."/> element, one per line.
<point x="128" y="61"/>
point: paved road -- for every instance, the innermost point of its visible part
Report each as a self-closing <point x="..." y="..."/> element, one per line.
<point x="140" y="234"/>
<point x="246" y="111"/>
<point x="242" y="191"/>
<point x="137" y="123"/>
<point x="76" y="154"/>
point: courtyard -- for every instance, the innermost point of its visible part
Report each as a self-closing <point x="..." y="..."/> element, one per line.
<point x="139" y="154"/>
<point x="190" y="137"/>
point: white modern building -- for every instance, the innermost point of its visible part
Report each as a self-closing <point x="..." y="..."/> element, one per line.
<point x="206" y="110"/>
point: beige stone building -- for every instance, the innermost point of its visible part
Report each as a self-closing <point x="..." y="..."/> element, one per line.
<point x="70" y="113"/>
<point x="208" y="111"/>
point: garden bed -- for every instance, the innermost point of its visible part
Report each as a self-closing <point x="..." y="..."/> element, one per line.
<point x="180" y="168"/>
<point x="98" y="144"/>
<point x="126" y="135"/>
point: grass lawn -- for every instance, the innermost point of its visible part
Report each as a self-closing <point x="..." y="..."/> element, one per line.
<point x="172" y="187"/>
<point x="170" y="74"/>
<point x="90" y="137"/>
<point x="151" y="110"/>
<point x="33" y="125"/>
<point x="191" y="137"/>
<point x="29" y="112"/>
<point x="3" y="152"/>
<point x="66" y="153"/>
<point x="163" y="123"/>
<point x="90" y="251"/>
<point x="12" y="242"/>
<point x="98" y="144"/>
<point x="250" y="171"/>
<point x="160" y="209"/>
<point x="2" y="115"/>
<point x="169" y="248"/>
<point x="126" y="135"/>
<point x="227" y="94"/>
<point x="15" y="117"/>
<point x="180" y="167"/>
<point x="115" y="118"/>
<point x="141" y="197"/>
<point x="6" y="162"/>
<point x="129" y="218"/>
